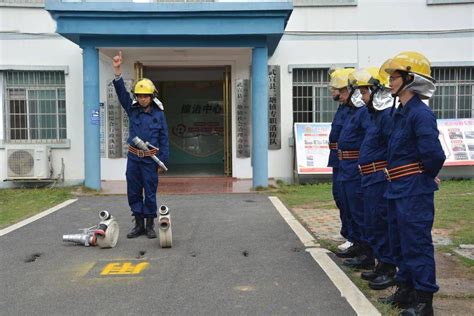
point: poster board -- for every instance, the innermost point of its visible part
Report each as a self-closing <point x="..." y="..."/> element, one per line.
<point x="312" y="144"/>
<point x="457" y="139"/>
<point x="312" y="148"/>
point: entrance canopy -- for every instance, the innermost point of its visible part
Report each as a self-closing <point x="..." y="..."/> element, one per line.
<point x="205" y="24"/>
<point x="94" y="25"/>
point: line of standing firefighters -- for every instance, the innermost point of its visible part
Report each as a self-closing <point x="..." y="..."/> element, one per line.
<point x="385" y="161"/>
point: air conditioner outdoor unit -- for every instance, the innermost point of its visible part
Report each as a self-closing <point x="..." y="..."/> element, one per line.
<point x="26" y="161"/>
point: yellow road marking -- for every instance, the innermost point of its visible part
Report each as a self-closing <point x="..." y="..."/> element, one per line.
<point x="124" y="268"/>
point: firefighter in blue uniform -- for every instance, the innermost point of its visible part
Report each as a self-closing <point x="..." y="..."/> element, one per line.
<point x="372" y="161"/>
<point x="349" y="142"/>
<point x="338" y="81"/>
<point x="415" y="157"/>
<point x="147" y="121"/>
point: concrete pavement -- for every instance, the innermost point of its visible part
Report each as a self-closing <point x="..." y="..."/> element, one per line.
<point x="232" y="254"/>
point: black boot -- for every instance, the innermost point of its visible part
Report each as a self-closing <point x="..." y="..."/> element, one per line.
<point x="371" y="275"/>
<point x="361" y="262"/>
<point x="150" y="225"/>
<point x="422" y="307"/>
<point x="351" y="252"/>
<point x="386" y="277"/>
<point x="139" y="228"/>
<point x="402" y="298"/>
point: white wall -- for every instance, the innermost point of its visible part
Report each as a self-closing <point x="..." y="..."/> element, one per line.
<point x="383" y="15"/>
<point x="43" y="49"/>
<point x="357" y="36"/>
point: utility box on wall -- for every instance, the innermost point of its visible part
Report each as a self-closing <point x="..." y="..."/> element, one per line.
<point x="28" y="162"/>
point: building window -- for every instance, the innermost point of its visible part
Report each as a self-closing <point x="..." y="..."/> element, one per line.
<point x="312" y="101"/>
<point x="454" y="92"/>
<point x="35" y="106"/>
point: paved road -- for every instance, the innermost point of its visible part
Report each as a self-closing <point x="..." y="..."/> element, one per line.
<point x="232" y="254"/>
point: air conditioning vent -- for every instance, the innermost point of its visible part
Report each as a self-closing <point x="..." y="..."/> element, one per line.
<point x="28" y="162"/>
<point x="21" y="163"/>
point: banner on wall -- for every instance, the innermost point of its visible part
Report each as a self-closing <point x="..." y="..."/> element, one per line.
<point x="243" y="117"/>
<point x="312" y="148"/>
<point x="115" y="124"/>
<point x="274" y="107"/>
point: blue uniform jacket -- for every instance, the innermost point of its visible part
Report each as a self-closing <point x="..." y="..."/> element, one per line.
<point x="414" y="139"/>
<point x="374" y="146"/>
<point x="352" y="135"/>
<point x="336" y="127"/>
<point x="149" y="126"/>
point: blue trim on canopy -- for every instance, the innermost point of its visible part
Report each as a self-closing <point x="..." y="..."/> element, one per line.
<point x="206" y="24"/>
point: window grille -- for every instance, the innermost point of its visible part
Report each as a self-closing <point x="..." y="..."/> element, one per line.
<point x="454" y="92"/>
<point x="312" y="101"/>
<point x="35" y="106"/>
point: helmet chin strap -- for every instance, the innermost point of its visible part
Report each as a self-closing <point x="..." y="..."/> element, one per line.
<point x="396" y="94"/>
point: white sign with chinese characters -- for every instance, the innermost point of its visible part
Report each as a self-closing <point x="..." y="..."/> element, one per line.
<point x="274" y="105"/>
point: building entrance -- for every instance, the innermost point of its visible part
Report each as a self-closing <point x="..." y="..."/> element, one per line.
<point x="198" y="116"/>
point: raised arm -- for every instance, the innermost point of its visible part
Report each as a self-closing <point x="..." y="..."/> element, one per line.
<point x="119" y="85"/>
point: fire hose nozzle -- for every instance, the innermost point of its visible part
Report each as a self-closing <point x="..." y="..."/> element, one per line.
<point x="143" y="146"/>
<point x="83" y="239"/>
<point x="104" y="235"/>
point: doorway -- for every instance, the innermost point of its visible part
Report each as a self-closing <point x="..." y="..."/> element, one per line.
<point x="197" y="108"/>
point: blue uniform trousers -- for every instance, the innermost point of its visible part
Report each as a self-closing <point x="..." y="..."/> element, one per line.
<point x="375" y="221"/>
<point x="353" y="206"/>
<point x="142" y="178"/>
<point x="410" y="223"/>
<point x="336" y="193"/>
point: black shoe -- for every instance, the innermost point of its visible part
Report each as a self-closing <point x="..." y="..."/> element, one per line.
<point x="139" y="228"/>
<point x="403" y="298"/>
<point x="360" y="262"/>
<point x="382" y="282"/>
<point x="150" y="225"/>
<point x="371" y="275"/>
<point x="351" y="252"/>
<point x="386" y="277"/>
<point x="422" y="307"/>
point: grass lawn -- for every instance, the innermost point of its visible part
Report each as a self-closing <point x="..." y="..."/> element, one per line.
<point x="18" y="204"/>
<point x="455" y="210"/>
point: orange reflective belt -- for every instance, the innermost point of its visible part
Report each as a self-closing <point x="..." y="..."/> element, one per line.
<point x="333" y="146"/>
<point x="372" y="167"/>
<point x="142" y="153"/>
<point x="348" y="154"/>
<point x="403" y="171"/>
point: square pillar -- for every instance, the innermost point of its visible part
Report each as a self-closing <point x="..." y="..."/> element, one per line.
<point x="260" y="116"/>
<point x="91" y="117"/>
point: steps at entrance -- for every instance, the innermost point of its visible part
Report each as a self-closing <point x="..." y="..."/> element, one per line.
<point x="187" y="185"/>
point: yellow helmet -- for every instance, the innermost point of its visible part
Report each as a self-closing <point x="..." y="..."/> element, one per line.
<point x="367" y="77"/>
<point x="411" y="62"/>
<point x="144" y="86"/>
<point x="340" y="78"/>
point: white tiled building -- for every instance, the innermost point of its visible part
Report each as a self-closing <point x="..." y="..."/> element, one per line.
<point x="42" y="82"/>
